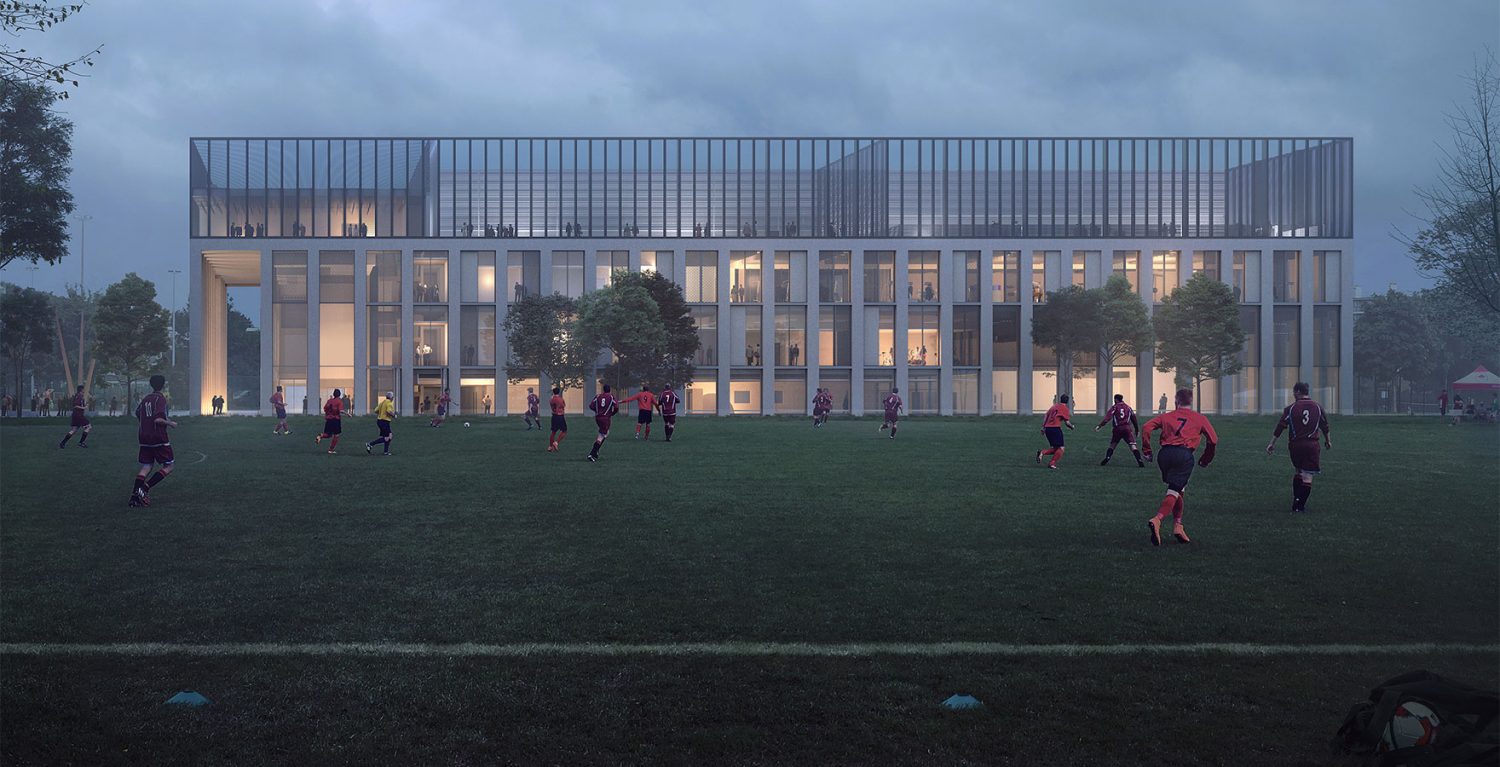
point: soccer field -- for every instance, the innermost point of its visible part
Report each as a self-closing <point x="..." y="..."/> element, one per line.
<point x="756" y="591"/>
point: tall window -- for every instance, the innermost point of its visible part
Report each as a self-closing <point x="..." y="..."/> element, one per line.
<point x="922" y="276"/>
<point x="880" y="335"/>
<point x="336" y="320"/>
<point x="924" y="344"/>
<point x="1005" y="275"/>
<point x="477" y="335"/>
<point x="1326" y="275"/>
<point x="833" y="277"/>
<point x="1005" y="336"/>
<point x="1044" y="274"/>
<point x="1246" y="282"/>
<point x="289" y="323"/>
<point x="966" y="335"/>
<point x="791" y="276"/>
<point x="477" y="276"/>
<point x="744" y="276"/>
<point x="1080" y="265"/>
<point x="383" y="276"/>
<point x="834" y="337"/>
<point x="706" y="321"/>
<point x="966" y="276"/>
<point x="1127" y="264"/>
<point x="429" y="270"/>
<point x="1164" y="273"/>
<point x="430" y="329"/>
<point x="880" y="277"/>
<point x="659" y="261"/>
<point x="606" y="263"/>
<point x="1286" y="277"/>
<point x="791" y="335"/>
<point x="523" y="275"/>
<point x="1286" y="349"/>
<point x="745" y="334"/>
<point x="1206" y="262"/>
<point x="384" y="333"/>
<point x="1326" y="347"/>
<point x="567" y="272"/>
<point x="702" y="277"/>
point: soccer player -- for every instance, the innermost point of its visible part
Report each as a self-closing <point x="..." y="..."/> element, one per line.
<point x="820" y="412"/>
<point x="532" y="404"/>
<point x="333" y="421"/>
<point x="1181" y="430"/>
<point x="559" y="420"/>
<point x="1058" y="416"/>
<point x="80" y="420"/>
<point x="893" y="406"/>
<point x="666" y="402"/>
<point x="278" y="401"/>
<point x="1125" y="429"/>
<point x="1443" y="403"/>
<point x="385" y="412"/>
<point x="647" y="402"/>
<point x="444" y="402"/>
<point x="1304" y="418"/>
<point x="604" y="406"/>
<point x="156" y="448"/>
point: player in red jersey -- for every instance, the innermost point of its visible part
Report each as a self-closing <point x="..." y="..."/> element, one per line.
<point x="893" y="407"/>
<point x="1304" y="418"/>
<point x="647" y="404"/>
<point x="1181" y="430"/>
<point x="1058" y="416"/>
<point x="80" y="420"/>
<point x="822" y="404"/>
<point x="278" y="401"/>
<point x="666" y="402"/>
<point x="604" y="406"/>
<point x="1125" y="428"/>
<point x="559" y="419"/>
<point x="444" y="402"/>
<point x="333" y="421"/>
<point x="533" y="404"/>
<point x="156" y="448"/>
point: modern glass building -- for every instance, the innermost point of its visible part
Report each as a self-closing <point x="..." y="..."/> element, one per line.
<point x="855" y="264"/>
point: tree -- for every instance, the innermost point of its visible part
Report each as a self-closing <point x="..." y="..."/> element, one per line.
<point x="1393" y="340"/>
<point x="1069" y="323"/>
<point x="17" y="65"/>
<point x="130" y="330"/>
<point x="34" y="155"/>
<point x="25" y="327"/>
<point x="1199" y="334"/>
<point x="542" y="338"/>
<point x="1460" y="243"/>
<point x="626" y="321"/>
<point x="674" y="364"/>
<point x="1465" y="333"/>
<point x="1125" y="327"/>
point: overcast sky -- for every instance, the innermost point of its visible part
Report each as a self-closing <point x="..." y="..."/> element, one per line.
<point x="1382" y="72"/>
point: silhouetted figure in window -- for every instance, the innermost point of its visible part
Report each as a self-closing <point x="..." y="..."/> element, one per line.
<point x="795" y="353"/>
<point x="927" y="292"/>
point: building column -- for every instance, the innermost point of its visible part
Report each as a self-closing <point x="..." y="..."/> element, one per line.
<point x="767" y="335"/>
<point x="1226" y="275"/>
<point x="196" y="357"/>
<point x="726" y="329"/>
<point x="810" y="347"/>
<point x="314" y="337"/>
<point x="1145" y="368"/>
<point x="454" y="379"/>
<point x="986" y="328"/>
<point x="945" y="331"/>
<point x="857" y="351"/>
<point x="1346" y="330"/>
<point x="361" y="394"/>
<point x="1026" y="374"/>
<point x="1267" y="332"/>
<point x="903" y="323"/>
<point x="1305" y="315"/>
<point x="591" y="378"/>
<point x="268" y="339"/>
<point x="407" y="381"/>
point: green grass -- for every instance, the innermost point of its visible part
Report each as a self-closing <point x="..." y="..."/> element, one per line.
<point x="740" y="529"/>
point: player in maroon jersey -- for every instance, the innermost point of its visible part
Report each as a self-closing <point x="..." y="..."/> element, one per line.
<point x="1304" y="418"/>
<point x="1181" y="430"/>
<point x="333" y="421"/>
<point x="604" y="406"/>
<point x="80" y="420"/>
<point x="156" y="447"/>
<point x="559" y="408"/>
<point x="278" y="401"/>
<point x="666" y="402"/>
<point x="444" y="403"/>
<point x="893" y="406"/>
<point x="1125" y="428"/>
<point x="533" y="403"/>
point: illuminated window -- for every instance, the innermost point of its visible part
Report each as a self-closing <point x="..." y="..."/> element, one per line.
<point x="429" y="277"/>
<point x="702" y="277"/>
<point x="1163" y="273"/>
<point x="966" y="276"/>
<point x="524" y="274"/>
<point x="567" y="273"/>
<point x="744" y="276"/>
<point x="1005" y="276"/>
<point x="791" y="276"/>
<point x="1247" y="276"/>
<point x="880" y="335"/>
<point x="880" y="277"/>
<point x="606" y="263"/>
<point x="922" y="284"/>
<point x="833" y="276"/>
<point x="1285" y="278"/>
<point x="477" y="275"/>
<point x="791" y="336"/>
<point x="1126" y="263"/>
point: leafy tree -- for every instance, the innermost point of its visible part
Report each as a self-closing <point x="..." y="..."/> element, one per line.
<point x="25" y="327"/>
<point x="626" y="321"/>
<point x="542" y="338"/>
<point x="1069" y="323"/>
<point x="34" y="154"/>
<point x="1394" y="340"/>
<point x="18" y="65"/>
<point x="1460" y="242"/>
<point x="1199" y="334"/>
<point x="674" y="364"/>
<point x="1124" y="324"/>
<point x="130" y="330"/>
<point x="1465" y="333"/>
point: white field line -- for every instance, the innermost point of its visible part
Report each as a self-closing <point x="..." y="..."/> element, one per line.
<point x="726" y="649"/>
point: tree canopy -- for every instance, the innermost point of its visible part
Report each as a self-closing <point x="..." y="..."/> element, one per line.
<point x="1198" y="332"/>
<point x="1126" y="329"/>
<point x="1394" y="340"/>
<point x="34" y="155"/>
<point x="25" y="327"/>
<point x="18" y="17"/>
<point x="130" y="330"/>
<point x="1071" y="324"/>
<point x="541" y="333"/>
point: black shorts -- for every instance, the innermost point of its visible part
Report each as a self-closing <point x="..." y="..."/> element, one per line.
<point x="1176" y="464"/>
<point x="670" y="420"/>
<point x="1122" y="434"/>
<point x="559" y="423"/>
<point x="332" y="426"/>
<point x="1305" y="454"/>
<point x="1054" y="436"/>
<point x="385" y="427"/>
<point x="643" y="416"/>
<point x="150" y="454"/>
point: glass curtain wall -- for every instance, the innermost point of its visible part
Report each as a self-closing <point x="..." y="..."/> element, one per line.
<point x="289" y="326"/>
<point x="336" y="323"/>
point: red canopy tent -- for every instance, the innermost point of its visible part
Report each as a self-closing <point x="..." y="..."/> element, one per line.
<point x="1479" y="380"/>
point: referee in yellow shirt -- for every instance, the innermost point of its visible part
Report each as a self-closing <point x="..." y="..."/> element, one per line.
<point x="385" y="412"/>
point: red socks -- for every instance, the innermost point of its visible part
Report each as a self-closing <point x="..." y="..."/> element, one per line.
<point x="1057" y="454"/>
<point x="1171" y="504"/>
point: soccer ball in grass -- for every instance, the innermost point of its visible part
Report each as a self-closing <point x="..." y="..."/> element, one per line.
<point x="466" y="424"/>
<point x="1413" y="724"/>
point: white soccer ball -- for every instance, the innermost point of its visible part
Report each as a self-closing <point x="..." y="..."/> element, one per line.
<point x="1413" y="724"/>
<point x="466" y="424"/>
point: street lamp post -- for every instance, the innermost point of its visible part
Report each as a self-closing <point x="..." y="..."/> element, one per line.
<point x="83" y="243"/>
<point x="174" y="273"/>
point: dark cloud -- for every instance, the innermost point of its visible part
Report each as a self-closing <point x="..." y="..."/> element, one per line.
<point x="1380" y="72"/>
